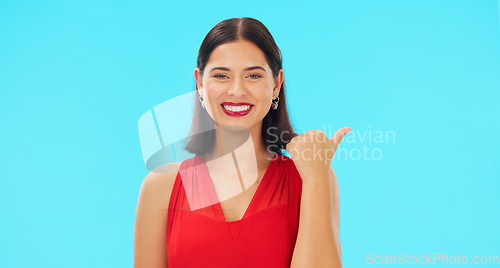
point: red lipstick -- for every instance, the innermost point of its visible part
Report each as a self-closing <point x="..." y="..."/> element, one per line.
<point x="233" y="113"/>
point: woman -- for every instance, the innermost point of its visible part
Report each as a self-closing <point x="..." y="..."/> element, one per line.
<point x="239" y="202"/>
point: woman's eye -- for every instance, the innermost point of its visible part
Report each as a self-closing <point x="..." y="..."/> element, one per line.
<point x="223" y="76"/>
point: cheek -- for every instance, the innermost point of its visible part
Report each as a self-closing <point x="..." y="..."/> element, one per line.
<point x="262" y="88"/>
<point x="263" y="94"/>
<point x="214" y="89"/>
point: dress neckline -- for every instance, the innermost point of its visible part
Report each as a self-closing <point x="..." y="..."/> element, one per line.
<point x="254" y="197"/>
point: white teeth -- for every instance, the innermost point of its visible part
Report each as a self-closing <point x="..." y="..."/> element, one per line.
<point x="236" y="108"/>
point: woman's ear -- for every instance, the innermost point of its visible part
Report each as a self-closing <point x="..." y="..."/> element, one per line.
<point x="199" y="84"/>
<point x="278" y="83"/>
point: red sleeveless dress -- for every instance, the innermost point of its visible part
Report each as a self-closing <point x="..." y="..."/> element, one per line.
<point x="198" y="234"/>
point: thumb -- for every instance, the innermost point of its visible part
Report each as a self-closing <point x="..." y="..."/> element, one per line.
<point x="337" y="137"/>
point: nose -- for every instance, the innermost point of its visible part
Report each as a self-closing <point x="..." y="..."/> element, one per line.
<point x="237" y="88"/>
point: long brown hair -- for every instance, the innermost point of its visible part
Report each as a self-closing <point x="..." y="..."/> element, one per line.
<point x="277" y="129"/>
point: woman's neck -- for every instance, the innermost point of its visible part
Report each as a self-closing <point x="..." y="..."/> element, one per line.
<point x="245" y="145"/>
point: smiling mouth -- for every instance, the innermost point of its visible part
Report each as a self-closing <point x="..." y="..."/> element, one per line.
<point x="236" y="108"/>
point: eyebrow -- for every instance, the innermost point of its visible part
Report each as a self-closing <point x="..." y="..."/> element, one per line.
<point x="246" y="69"/>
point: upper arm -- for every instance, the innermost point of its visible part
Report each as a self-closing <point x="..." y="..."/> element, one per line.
<point x="336" y="205"/>
<point x="150" y="225"/>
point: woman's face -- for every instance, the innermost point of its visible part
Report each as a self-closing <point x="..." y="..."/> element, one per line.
<point x="238" y="85"/>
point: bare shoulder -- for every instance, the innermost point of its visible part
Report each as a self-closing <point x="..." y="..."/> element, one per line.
<point x="157" y="186"/>
<point x="151" y="217"/>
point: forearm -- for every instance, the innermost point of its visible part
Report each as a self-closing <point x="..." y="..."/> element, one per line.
<point x="317" y="242"/>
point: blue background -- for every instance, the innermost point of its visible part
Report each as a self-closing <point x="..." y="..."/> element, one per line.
<point x="75" y="76"/>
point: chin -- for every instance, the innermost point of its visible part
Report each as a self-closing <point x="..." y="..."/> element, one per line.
<point x="235" y="128"/>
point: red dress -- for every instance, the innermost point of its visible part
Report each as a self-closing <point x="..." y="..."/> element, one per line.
<point x="198" y="234"/>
